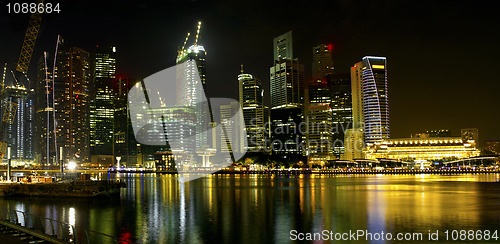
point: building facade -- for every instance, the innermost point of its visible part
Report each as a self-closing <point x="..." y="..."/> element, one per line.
<point x="102" y="109"/>
<point x="64" y="97"/>
<point x="422" y="149"/>
<point x="370" y="98"/>
<point x="251" y="97"/>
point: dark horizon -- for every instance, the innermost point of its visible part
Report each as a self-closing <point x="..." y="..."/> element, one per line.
<point x="434" y="50"/>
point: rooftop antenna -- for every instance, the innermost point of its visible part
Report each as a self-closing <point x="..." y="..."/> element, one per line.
<point x="197" y="34"/>
<point x="242" y="69"/>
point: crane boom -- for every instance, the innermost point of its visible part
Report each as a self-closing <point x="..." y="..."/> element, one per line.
<point x="29" y="41"/>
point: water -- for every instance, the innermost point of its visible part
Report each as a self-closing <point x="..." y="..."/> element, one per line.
<point x="265" y="208"/>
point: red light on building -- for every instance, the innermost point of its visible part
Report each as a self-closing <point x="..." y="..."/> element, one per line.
<point x="330" y="47"/>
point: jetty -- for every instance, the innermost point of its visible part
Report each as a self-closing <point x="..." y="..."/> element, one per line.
<point x="76" y="188"/>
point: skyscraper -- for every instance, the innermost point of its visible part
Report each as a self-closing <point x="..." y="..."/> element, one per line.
<point x="283" y="47"/>
<point x="70" y="101"/>
<point x="189" y="94"/>
<point x="287" y="98"/>
<point x="286" y="75"/>
<point x="370" y="98"/>
<point x="20" y="132"/>
<point x="341" y="105"/>
<point x="322" y="61"/>
<point x="101" y="106"/>
<point x="231" y="135"/>
<point x="251" y="99"/>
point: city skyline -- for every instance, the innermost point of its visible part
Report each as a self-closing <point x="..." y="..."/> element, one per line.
<point x="412" y="100"/>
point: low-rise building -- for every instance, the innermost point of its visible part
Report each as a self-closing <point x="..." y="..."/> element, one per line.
<point x="415" y="149"/>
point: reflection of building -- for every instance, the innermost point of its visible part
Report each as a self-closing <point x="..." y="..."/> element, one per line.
<point x="251" y="100"/>
<point x="412" y="149"/>
<point x="102" y="103"/>
<point x="370" y="98"/>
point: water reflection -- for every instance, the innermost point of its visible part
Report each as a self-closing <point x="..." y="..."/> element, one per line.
<point x="264" y="208"/>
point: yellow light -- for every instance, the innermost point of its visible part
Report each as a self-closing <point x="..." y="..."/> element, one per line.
<point x="378" y="66"/>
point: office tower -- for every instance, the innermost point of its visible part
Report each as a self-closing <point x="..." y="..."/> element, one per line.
<point x="341" y="105"/>
<point x="287" y="137"/>
<point x="370" y="98"/>
<point x="287" y="84"/>
<point x="125" y="145"/>
<point x="283" y="48"/>
<point x="232" y="134"/>
<point x="322" y="61"/>
<point x="286" y="75"/>
<point x="470" y="135"/>
<point x="189" y="94"/>
<point x="251" y="99"/>
<point x="70" y="101"/>
<point x="44" y="130"/>
<point x="20" y="131"/>
<point x="287" y="97"/>
<point x="102" y="105"/>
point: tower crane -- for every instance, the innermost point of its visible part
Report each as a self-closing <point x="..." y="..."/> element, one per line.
<point x="19" y="76"/>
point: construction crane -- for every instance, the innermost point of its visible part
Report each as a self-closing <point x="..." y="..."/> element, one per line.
<point x="20" y="76"/>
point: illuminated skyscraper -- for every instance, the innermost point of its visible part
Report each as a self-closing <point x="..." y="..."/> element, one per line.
<point x="287" y="98"/>
<point x="101" y="107"/>
<point x="251" y="99"/>
<point x="370" y="98"/>
<point x="71" y="99"/>
<point x="20" y="132"/>
<point x="190" y="94"/>
<point x="322" y="61"/>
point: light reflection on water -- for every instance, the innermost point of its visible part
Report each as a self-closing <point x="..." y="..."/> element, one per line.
<point x="264" y="208"/>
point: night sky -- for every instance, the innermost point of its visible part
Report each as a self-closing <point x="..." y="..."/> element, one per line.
<point x="442" y="55"/>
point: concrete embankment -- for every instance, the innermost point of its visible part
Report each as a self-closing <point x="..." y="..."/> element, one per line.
<point x="62" y="189"/>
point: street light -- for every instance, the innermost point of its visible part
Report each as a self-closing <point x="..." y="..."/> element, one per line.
<point x="71" y="165"/>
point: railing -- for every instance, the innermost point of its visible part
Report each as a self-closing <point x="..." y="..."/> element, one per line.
<point x="58" y="229"/>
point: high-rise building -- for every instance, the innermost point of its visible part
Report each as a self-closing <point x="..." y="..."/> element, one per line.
<point x="102" y="110"/>
<point x="191" y="94"/>
<point x="493" y="146"/>
<point x="287" y="84"/>
<point x="286" y="75"/>
<point x="251" y="97"/>
<point x="287" y="97"/>
<point x="283" y="47"/>
<point x="470" y="135"/>
<point x="125" y="145"/>
<point x="341" y="105"/>
<point x="322" y="61"/>
<point x="232" y="132"/>
<point x="69" y="99"/>
<point x="20" y="131"/>
<point x="370" y="98"/>
<point x="287" y="137"/>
